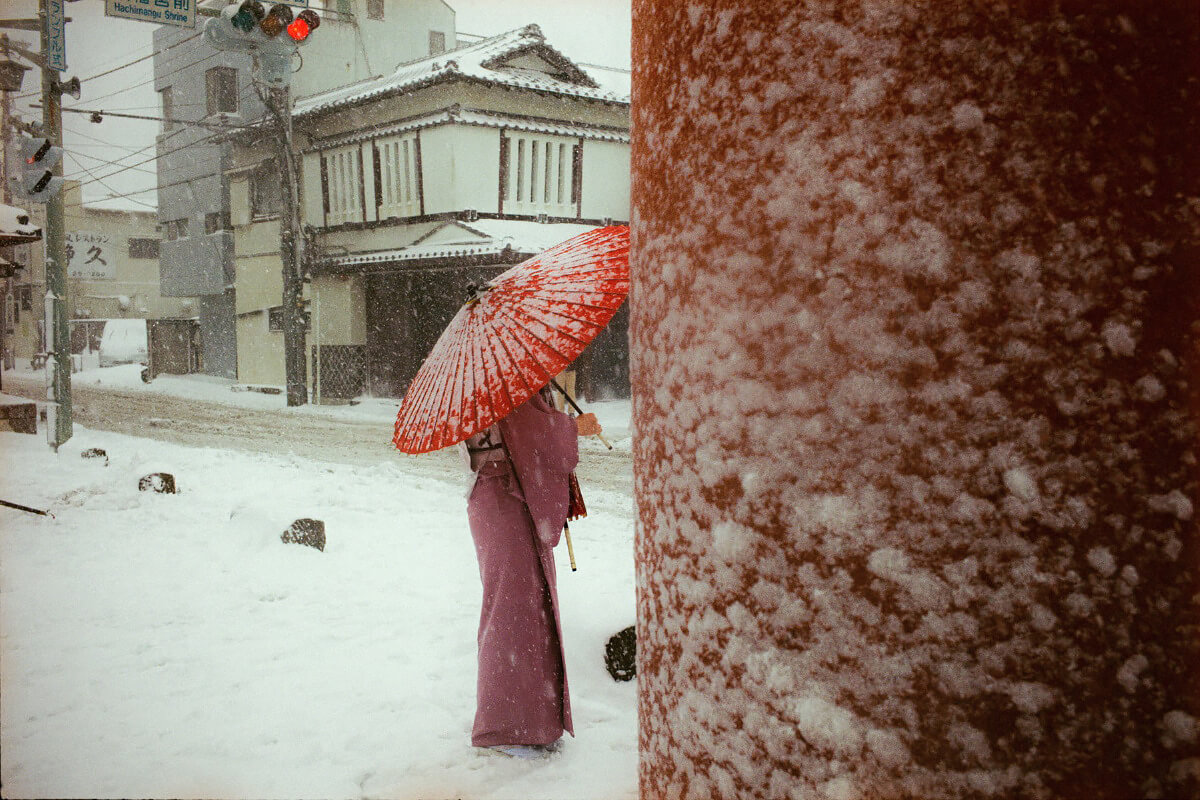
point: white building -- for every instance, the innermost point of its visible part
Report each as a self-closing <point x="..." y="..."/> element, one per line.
<point x="417" y="184"/>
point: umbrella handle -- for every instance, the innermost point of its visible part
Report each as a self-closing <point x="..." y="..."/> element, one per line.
<point x="578" y="410"/>
<point x="570" y="548"/>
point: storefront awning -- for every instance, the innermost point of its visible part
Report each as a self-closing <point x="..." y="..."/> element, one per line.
<point x="457" y="243"/>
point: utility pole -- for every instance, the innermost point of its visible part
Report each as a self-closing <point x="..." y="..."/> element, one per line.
<point x="4" y="286"/>
<point x="250" y="28"/>
<point x="58" y="334"/>
<point x="291" y="252"/>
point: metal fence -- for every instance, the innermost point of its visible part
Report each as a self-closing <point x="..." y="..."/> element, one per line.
<point x="339" y="371"/>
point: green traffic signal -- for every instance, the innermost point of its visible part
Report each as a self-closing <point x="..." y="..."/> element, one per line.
<point x="248" y="16"/>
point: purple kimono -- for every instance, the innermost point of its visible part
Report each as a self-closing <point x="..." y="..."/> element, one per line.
<point x="516" y="520"/>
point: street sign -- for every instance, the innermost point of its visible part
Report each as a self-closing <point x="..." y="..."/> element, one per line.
<point x="181" y="13"/>
<point x="91" y="256"/>
<point x="56" y="36"/>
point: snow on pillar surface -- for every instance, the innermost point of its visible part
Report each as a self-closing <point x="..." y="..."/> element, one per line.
<point x="912" y="305"/>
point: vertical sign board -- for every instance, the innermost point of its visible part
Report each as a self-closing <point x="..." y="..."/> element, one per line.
<point x="181" y="13"/>
<point x="91" y="256"/>
<point x="56" y="52"/>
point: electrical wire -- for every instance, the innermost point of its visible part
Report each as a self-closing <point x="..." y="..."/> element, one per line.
<point x="113" y="192"/>
<point x="76" y="156"/>
<point x="152" y="54"/>
<point x="190" y="145"/>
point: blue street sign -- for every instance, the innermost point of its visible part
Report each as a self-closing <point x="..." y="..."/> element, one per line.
<point x="56" y="35"/>
<point x="181" y="13"/>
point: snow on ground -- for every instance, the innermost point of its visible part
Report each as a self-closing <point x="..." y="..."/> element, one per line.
<point x="614" y="415"/>
<point x="172" y="646"/>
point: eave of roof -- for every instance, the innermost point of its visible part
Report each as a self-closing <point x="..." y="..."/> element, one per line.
<point x="498" y="240"/>
<point x="481" y="62"/>
<point x="480" y="118"/>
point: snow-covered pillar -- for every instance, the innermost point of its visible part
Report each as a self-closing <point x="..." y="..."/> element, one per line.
<point x="913" y="291"/>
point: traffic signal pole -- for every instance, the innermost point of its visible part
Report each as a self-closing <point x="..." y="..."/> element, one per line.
<point x="58" y="335"/>
<point x="250" y="28"/>
<point x="291" y="245"/>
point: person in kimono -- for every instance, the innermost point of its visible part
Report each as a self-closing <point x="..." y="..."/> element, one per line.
<point x="517" y="506"/>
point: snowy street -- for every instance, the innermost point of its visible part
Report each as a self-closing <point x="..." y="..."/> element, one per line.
<point x="172" y="646"/>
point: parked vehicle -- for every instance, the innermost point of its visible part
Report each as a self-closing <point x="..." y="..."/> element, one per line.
<point x="124" y="342"/>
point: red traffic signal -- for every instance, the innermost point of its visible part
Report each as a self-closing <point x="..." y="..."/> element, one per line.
<point x="305" y="23"/>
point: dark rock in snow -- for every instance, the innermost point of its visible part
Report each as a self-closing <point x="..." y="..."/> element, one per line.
<point x="161" y="482"/>
<point x="306" y="531"/>
<point x="620" y="655"/>
<point x="96" y="452"/>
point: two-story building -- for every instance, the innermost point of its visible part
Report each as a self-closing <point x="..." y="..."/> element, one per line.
<point x="112" y="273"/>
<point x="205" y="92"/>
<point x="415" y="186"/>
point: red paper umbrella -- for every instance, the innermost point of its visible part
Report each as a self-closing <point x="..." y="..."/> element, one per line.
<point x="519" y="331"/>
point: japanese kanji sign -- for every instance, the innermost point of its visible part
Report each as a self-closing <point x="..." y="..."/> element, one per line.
<point x="91" y="256"/>
<point x="161" y="12"/>
<point x="56" y="35"/>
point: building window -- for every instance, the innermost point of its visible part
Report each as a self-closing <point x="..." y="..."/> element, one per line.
<point x="143" y="248"/>
<point x="540" y="174"/>
<point x="168" y="108"/>
<point x="437" y="42"/>
<point x="266" y="191"/>
<point x="177" y="229"/>
<point x="217" y="221"/>
<point x="374" y="9"/>
<point x="221" y="87"/>
<point x="397" y="189"/>
<point x="343" y="185"/>
<point x="25" y="296"/>
<point x="275" y="320"/>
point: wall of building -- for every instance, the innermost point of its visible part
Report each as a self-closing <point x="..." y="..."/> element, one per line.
<point x="605" y="180"/>
<point x="344" y="49"/>
<point x="338" y="314"/>
<point x="259" y="351"/>
<point x="109" y="281"/>
<point x="460" y="166"/>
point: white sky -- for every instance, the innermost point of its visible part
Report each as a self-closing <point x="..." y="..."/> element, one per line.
<point x="595" y="32"/>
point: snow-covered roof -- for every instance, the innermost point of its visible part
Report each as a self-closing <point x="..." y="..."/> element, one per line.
<point x="456" y="239"/>
<point x="520" y="59"/>
<point x="488" y="119"/>
<point x="15" y="227"/>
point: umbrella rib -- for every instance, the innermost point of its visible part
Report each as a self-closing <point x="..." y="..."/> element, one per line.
<point x="518" y="328"/>
<point x="455" y="397"/>
<point x="414" y="398"/>
<point x="484" y="411"/>
<point x="519" y="323"/>
<point x="447" y="368"/>
<point x="535" y="319"/>
<point x="516" y="364"/>
<point x="437" y="361"/>
<point x="495" y="358"/>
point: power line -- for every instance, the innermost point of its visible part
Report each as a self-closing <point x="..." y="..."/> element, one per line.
<point x="156" y="77"/>
<point x="74" y="154"/>
<point x="113" y="192"/>
<point x="152" y="54"/>
<point x="155" y="157"/>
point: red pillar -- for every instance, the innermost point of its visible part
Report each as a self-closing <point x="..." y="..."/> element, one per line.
<point x="912" y="318"/>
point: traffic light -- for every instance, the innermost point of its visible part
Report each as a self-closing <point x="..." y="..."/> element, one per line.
<point x="34" y="179"/>
<point x="249" y="27"/>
